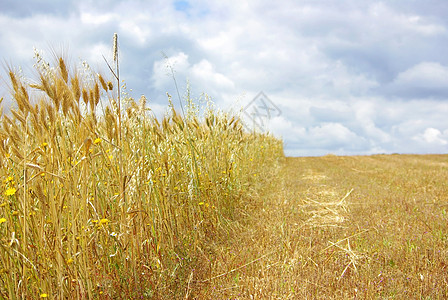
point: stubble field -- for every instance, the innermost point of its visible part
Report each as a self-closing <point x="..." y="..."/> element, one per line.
<point x="358" y="227"/>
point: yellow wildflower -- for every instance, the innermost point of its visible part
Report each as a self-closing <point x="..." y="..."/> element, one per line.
<point x="104" y="221"/>
<point x="97" y="141"/>
<point x="2" y="220"/>
<point x="201" y="203"/>
<point x="43" y="295"/>
<point x="69" y="261"/>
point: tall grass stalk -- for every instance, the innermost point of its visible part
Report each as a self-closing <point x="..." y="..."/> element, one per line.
<point x="66" y="165"/>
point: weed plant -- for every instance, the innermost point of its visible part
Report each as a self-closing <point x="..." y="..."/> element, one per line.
<point x="101" y="199"/>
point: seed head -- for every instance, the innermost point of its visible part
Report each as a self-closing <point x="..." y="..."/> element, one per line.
<point x="115" y="50"/>
<point x="103" y="83"/>
<point x="85" y="96"/>
<point x="63" y="69"/>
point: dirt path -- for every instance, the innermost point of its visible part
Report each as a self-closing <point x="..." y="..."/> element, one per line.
<point x="341" y="227"/>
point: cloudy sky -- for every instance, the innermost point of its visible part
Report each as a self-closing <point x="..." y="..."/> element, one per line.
<point x="348" y="76"/>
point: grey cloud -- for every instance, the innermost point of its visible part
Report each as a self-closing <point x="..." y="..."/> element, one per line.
<point x="23" y="9"/>
<point x="424" y="80"/>
<point x="325" y="114"/>
<point x="378" y="39"/>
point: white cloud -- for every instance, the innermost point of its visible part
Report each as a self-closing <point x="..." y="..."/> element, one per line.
<point x="431" y="136"/>
<point x="138" y="27"/>
<point x="205" y="73"/>
<point x="367" y="115"/>
<point x="286" y="129"/>
<point x="202" y="77"/>
<point x="90" y="18"/>
<point x="334" y="135"/>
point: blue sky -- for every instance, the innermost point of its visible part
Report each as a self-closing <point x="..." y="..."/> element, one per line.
<point x="349" y="76"/>
<point x="182" y="5"/>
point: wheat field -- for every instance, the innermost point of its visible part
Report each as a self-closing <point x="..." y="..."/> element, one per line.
<point x="100" y="199"/>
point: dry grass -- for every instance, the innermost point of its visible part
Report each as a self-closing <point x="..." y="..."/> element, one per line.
<point x="345" y="227"/>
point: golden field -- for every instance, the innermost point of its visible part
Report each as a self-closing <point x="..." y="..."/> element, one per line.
<point x="101" y="200"/>
<point x="355" y="227"/>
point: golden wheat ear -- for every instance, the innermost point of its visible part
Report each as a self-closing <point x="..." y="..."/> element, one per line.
<point x="103" y="83"/>
<point x="63" y="69"/>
